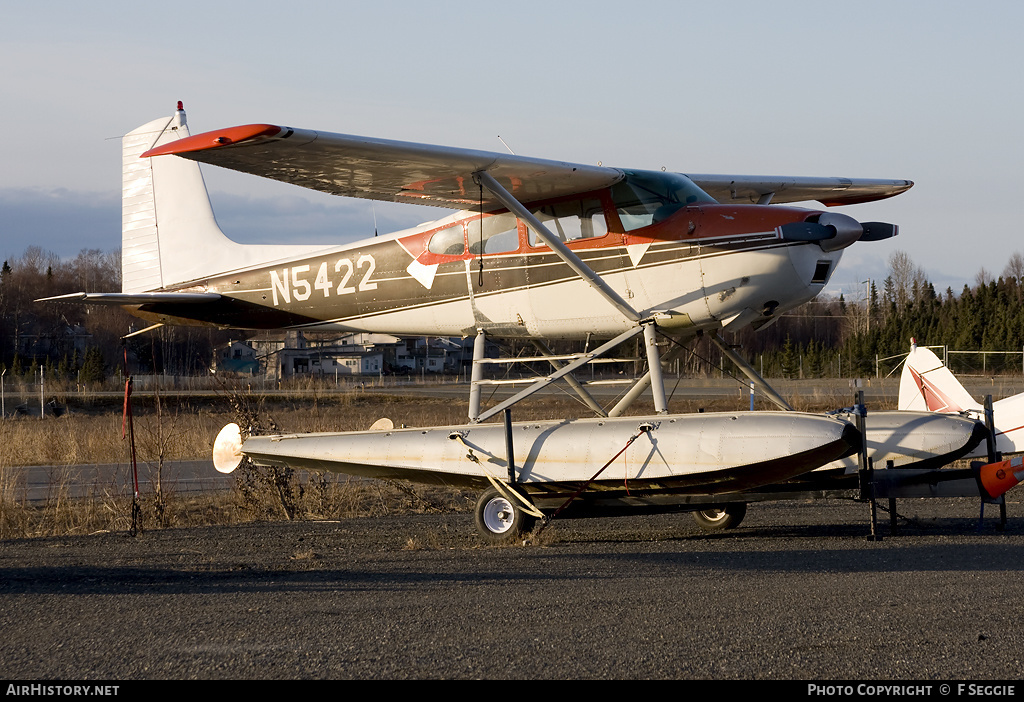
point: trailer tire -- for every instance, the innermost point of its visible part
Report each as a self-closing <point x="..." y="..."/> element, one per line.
<point x="499" y="519"/>
<point x="721" y="517"/>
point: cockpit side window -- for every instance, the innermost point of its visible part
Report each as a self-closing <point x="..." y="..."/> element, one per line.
<point x="572" y="220"/>
<point x="500" y="234"/>
<point x="643" y="198"/>
<point x="449" y="241"/>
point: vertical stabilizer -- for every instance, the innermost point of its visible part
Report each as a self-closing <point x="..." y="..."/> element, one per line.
<point x="928" y="386"/>
<point x="169" y="235"/>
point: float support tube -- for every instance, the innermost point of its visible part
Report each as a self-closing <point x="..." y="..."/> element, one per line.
<point x="636" y="391"/>
<point x="748" y="370"/>
<point x="570" y="379"/>
<point x="563" y="371"/>
<point x="654" y="368"/>
<point x="477" y="374"/>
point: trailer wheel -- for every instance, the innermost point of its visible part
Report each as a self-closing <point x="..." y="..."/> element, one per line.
<point x="500" y="520"/>
<point x="722" y="517"/>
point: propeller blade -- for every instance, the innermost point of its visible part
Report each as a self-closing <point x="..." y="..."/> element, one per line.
<point x="834" y="231"/>
<point x="876" y="231"/>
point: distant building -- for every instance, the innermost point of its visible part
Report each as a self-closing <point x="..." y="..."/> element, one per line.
<point x="293" y="353"/>
<point x="235" y="358"/>
<point x="64" y="339"/>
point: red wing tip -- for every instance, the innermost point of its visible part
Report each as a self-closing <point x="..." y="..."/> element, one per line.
<point x="897" y="188"/>
<point x="211" y="140"/>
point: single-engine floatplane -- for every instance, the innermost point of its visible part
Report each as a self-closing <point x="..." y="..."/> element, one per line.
<point x="538" y="250"/>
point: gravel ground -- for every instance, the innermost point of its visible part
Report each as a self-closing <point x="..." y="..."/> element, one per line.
<point x="796" y="592"/>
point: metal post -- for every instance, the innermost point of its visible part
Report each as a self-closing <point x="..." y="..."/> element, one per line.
<point x="509" y="450"/>
<point x="893" y="516"/>
<point x="638" y="389"/>
<point x="990" y="424"/>
<point x="867" y="477"/>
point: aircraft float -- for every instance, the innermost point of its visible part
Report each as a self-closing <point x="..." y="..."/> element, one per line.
<point x="537" y="250"/>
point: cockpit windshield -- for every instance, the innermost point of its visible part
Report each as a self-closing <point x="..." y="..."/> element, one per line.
<point x="643" y="198"/>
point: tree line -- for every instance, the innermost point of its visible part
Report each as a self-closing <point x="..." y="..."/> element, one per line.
<point x="84" y="343"/>
<point x="832" y="336"/>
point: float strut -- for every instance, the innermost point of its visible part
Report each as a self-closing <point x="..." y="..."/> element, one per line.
<point x="654" y="368"/>
<point x="477" y="374"/>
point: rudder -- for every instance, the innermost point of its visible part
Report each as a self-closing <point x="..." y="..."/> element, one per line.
<point x="928" y="386"/>
<point x="169" y="235"/>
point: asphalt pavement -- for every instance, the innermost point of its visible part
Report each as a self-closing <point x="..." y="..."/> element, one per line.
<point x="797" y="592"/>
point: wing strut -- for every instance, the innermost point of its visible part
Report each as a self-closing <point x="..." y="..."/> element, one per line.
<point x="648" y="326"/>
<point x="572" y="260"/>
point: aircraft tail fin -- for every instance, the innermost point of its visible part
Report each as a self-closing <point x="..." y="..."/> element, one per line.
<point x="928" y="386"/>
<point x="169" y="235"/>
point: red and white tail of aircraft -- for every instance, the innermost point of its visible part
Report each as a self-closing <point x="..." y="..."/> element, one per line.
<point x="927" y="385"/>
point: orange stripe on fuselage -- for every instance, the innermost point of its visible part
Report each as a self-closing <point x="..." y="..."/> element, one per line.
<point x="710" y="222"/>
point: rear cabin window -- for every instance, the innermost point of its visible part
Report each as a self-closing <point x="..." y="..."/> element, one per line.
<point x="569" y="221"/>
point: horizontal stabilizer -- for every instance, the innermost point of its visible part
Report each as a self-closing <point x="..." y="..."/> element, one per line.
<point x="135" y="298"/>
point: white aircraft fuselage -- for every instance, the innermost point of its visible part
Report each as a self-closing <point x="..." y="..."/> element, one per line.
<point x="707" y="266"/>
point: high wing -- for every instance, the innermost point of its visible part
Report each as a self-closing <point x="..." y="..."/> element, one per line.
<point x="381" y="169"/>
<point x="781" y="189"/>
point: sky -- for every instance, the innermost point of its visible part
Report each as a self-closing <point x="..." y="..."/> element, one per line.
<point x="928" y="91"/>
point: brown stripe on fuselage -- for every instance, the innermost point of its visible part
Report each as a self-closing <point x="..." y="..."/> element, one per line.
<point x="397" y="290"/>
<point x="373" y="277"/>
